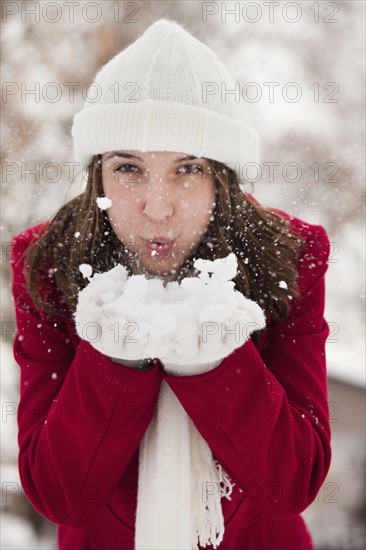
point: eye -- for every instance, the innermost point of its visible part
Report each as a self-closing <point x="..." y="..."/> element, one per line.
<point x="125" y="168"/>
<point x="192" y="169"/>
<point x="127" y="174"/>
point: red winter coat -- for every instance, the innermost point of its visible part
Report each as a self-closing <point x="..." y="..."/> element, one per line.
<point x="263" y="411"/>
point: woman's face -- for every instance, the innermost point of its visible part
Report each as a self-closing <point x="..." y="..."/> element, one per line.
<point x="161" y="204"/>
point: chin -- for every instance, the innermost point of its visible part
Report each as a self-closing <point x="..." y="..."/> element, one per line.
<point x="162" y="268"/>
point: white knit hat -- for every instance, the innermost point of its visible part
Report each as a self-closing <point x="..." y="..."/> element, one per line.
<point x="167" y="91"/>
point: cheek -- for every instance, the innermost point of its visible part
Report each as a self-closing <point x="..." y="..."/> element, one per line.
<point x="123" y="215"/>
<point x="202" y="207"/>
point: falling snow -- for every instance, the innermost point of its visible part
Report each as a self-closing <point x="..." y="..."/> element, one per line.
<point x="104" y="202"/>
<point x="281" y="118"/>
<point x="86" y="270"/>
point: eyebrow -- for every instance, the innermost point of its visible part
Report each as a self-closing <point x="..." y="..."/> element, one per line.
<point x="126" y="155"/>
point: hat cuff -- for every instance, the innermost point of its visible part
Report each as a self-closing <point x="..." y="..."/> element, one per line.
<point x="164" y="126"/>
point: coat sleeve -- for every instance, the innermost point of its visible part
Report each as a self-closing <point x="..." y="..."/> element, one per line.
<point x="265" y="415"/>
<point x="80" y="417"/>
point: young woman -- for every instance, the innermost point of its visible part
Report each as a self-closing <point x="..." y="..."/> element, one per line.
<point x="171" y="163"/>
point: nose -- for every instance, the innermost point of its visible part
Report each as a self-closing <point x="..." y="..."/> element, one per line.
<point x="158" y="205"/>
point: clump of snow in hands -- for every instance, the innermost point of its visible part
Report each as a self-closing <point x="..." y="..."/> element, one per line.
<point x="137" y="318"/>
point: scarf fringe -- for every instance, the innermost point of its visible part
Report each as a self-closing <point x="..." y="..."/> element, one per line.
<point x="211" y="483"/>
<point x="228" y="487"/>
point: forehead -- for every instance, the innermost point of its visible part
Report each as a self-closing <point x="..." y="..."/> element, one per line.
<point x="147" y="156"/>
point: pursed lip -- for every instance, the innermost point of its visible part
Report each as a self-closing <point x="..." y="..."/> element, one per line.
<point x="160" y="240"/>
<point x="159" y="245"/>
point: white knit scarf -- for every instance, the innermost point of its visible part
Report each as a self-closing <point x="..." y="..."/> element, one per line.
<point x="180" y="485"/>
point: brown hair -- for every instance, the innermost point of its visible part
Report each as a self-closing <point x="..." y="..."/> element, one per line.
<point x="266" y="249"/>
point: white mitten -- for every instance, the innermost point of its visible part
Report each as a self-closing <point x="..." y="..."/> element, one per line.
<point x="194" y="324"/>
<point x="220" y="319"/>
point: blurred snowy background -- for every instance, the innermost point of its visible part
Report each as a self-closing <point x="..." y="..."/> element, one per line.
<point x="300" y="67"/>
